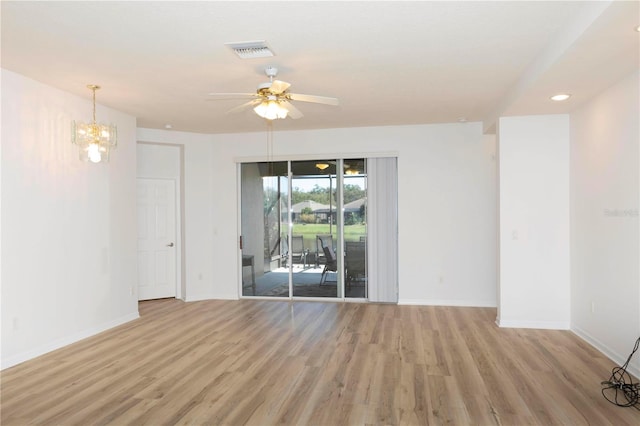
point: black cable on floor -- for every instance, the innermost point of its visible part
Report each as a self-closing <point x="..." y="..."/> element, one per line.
<point x="620" y="389"/>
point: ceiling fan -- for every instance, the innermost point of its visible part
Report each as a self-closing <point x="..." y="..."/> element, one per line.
<point x="272" y="100"/>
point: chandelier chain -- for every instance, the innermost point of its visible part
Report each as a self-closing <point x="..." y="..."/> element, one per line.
<point x="93" y="88"/>
<point x="94" y="104"/>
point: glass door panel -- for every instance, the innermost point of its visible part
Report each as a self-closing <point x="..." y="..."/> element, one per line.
<point x="314" y="232"/>
<point x="354" y="192"/>
<point x="264" y="223"/>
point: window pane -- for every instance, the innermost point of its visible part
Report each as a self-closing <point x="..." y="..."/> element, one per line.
<point x="314" y="267"/>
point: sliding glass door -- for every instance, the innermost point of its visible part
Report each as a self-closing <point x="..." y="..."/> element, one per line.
<point x="304" y="229"/>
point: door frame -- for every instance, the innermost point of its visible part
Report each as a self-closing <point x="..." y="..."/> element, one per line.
<point x="179" y="191"/>
<point x="339" y="158"/>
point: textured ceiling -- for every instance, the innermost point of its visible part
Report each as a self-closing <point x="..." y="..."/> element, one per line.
<point x="389" y="63"/>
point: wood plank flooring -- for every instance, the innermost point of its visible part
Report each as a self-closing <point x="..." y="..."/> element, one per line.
<point x="307" y="363"/>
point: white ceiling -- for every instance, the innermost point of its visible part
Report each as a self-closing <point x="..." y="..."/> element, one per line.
<point x="389" y="63"/>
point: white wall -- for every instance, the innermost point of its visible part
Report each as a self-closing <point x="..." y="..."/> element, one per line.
<point x="446" y="178"/>
<point x="448" y="210"/>
<point x="158" y="161"/>
<point x="605" y="255"/>
<point x="68" y="227"/>
<point x="534" y="222"/>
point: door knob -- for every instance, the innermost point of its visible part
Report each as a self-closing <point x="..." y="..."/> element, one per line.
<point x="170" y="245"/>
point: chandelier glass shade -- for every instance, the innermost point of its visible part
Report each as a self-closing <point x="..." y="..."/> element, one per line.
<point x="94" y="140"/>
<point x="271" y="110"/>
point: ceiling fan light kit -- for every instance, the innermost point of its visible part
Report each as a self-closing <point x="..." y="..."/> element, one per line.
<point x="271" y="110"/>
<point x="272" y="100"/>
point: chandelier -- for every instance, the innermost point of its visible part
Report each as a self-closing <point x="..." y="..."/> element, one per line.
<point x="94" y="140"/>
<point x="271" y="110"/>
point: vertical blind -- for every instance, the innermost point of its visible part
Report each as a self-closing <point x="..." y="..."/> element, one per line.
<point x="382" y="229"/>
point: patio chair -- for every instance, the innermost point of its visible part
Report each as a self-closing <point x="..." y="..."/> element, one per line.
<point x="298" y="252"/>
<point x="322" y="241"/>
<point x="331" y="263"/>
<point x="355" y="261"/>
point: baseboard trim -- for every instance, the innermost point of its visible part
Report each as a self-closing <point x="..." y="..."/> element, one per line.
<point x="609" y="353"/>
<point x="441" y="302"/>
<point x="542" y="325"/>
<point x="201" y="297"/>
<point x="64" y="341"/>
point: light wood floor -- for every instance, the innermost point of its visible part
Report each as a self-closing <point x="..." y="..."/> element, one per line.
<point x="266" y="362"/>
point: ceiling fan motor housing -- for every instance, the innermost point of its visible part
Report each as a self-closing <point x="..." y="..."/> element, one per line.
<point x="264" y="86"/>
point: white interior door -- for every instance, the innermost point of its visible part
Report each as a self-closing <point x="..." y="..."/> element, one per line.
<point x="156" y="238"/>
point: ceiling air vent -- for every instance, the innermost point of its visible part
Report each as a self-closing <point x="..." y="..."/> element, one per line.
<point x="251" y="49"/>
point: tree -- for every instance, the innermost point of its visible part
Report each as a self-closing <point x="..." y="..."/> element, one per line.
<point x="321" y="194"/>
<point x="352" y="193"/>
<point x="317" y="194"/>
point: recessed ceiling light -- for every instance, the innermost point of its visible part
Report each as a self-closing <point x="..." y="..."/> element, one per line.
<point x="638" y="28"/>
<point x="560" y="97"/>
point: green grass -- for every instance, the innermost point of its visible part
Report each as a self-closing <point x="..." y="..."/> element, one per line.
<point x="309" y="231"/>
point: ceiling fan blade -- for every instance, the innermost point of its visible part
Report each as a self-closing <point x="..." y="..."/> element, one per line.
<point x="294" y="112"/>
<point x="244" y="106"/>
<point x="278" y="87"/>
<point x="315" y="99"/>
